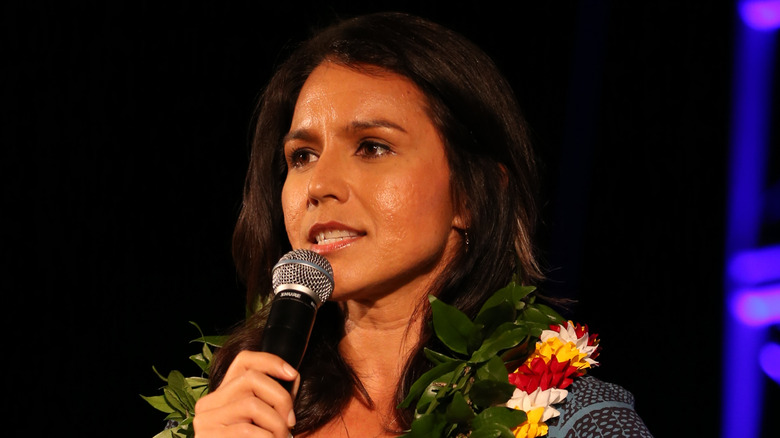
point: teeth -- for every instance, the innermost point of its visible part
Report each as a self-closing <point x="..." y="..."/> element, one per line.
<point x="334" y="236"/>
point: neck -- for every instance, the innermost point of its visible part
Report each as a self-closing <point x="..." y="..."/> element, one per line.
<point x="379" y="337"/>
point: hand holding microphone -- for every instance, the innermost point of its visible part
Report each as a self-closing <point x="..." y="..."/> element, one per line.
<point x="249" y="396"/>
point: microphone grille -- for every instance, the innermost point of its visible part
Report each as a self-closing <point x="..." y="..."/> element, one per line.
<point x="306" y="268"/>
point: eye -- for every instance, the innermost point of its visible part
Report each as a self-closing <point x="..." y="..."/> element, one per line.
<point x="300" y="157"/>
<point x="372" y="149"/>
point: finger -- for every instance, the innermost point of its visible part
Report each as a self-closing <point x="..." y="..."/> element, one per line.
<point x="249" y="415"/>
<point x="251" y="384"/>
<point x="268" y="363"/>
<point x="244" y="430"/>
<point x="296" y="387"/>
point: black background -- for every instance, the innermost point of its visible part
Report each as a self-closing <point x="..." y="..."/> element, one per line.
<point x="124" y="145"/>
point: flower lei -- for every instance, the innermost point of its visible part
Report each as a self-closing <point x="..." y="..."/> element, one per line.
<point x="469" y="392"/>
<point x="562" y="354"/>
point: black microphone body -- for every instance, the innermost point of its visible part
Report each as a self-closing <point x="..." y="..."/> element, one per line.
<point x="302" y="281"/>
<point x="289" y="325"/>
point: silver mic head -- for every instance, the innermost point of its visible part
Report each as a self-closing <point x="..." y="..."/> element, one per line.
<point x="302" y="267"/>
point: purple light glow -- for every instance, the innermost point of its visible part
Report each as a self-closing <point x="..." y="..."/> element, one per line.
<point x="756" y="266"/>
<point x="757" y="307"/>
<point x="761" y="14"/>
<point x="748" y="309"/>
<point x="770" y="361"/>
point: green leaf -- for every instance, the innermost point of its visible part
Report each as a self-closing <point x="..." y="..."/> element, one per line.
<point x="214" y="341"/>
<point x="437" y="395"/>
<point x="174" y="401"/>
<point x="437" y="358"/>
<point x="459" y="410"/>
<point x="505" y="337"/>
<point x="180" y="394"/>
<point x="426" y="379"/>
<point x="486" y="393"/>
<point x="428" y="426"/>
<point x="534" y="313"/>
<point x="158" y="402"/>
<point x="178" y="383"/>
<point x="514" y="357"/>
<point x="163" y="378"/>
<point x="487" y="432"/>
<point x="197" y="327"/>
<point x="179" y="389"/>
<point x="493" y="317"/>
<point x="493" y="369"/>
<point x="492" y="431"/>
<point x="168" y="433"/>
<point x="440" y="388"/>
<point x="453" y="327"/>
<point x="500" y="296"/>
<point x="196" y="382"/>
<point x="520" y="292"/>
<point x="200" y="362"/>
<point x="498" y="415"/>
<point x="176" y="416"/>
<point x="551" y="314"/>
<point x="176" y="378"/>
<point x="513" y="293"/>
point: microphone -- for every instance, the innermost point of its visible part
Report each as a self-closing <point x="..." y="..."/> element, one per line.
<point x="302" y="281"/>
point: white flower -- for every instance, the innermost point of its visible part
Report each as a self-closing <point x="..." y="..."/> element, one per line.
<point x="567" y="334"/>
<point x="526" y="402"/>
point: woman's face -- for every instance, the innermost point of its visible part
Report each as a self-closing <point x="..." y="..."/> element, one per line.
<point x="368" y="184"/>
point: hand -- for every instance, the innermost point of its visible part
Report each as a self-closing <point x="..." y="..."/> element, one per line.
<point x="249" y="402"/>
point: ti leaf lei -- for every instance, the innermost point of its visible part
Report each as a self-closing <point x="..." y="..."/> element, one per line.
<point x="463" y="395"/>
<point x="180" y="393"/>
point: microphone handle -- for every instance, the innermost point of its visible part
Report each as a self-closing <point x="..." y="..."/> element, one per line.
<point x="288" y="328"/>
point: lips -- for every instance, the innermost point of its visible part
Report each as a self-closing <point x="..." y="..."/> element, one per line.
<point x="332" y="235"/>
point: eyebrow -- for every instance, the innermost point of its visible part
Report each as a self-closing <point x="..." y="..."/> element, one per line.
<point x="359" y="125"/>
<point x="375" y="123"/>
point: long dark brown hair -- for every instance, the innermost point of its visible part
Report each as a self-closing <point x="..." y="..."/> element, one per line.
<point x="493" y="183"/>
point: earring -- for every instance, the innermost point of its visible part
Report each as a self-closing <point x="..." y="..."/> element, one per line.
<point x="466" y="237"/>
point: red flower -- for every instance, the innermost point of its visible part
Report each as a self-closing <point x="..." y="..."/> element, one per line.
<point x="536" y="373"/>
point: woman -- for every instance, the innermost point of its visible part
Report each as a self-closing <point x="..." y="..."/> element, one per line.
<point x="394" y="148"/>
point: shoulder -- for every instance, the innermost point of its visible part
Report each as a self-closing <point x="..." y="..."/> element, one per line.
<point x="594" y="408"/>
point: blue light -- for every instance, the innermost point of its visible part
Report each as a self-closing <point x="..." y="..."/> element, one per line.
<point x="757" y="307"/>
<point x="761" y="14"/>
<point x="755" y="266"/>
<point x="749" y="309"/>
<point x="770" y="361"/>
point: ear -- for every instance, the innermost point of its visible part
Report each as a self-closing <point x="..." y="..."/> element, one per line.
<point x="462" y="219"/>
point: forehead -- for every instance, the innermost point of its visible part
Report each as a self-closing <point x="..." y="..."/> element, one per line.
<point x="333" y="87"/>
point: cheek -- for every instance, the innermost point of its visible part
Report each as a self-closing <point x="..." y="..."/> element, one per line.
<point x="416" y="206"/>
<point x="291" y="211"/>
<point x="392" y="199"/>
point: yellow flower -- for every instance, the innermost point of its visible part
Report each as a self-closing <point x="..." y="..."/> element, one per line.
<point x="563" y="351"/>
<point x="533" y="426"/>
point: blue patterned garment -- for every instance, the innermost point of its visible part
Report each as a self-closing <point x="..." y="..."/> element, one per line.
<point x="595" y="409"/>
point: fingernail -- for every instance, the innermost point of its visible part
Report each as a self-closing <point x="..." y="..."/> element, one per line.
<point x="291" y="419"/>
<point x="289" y="370"/>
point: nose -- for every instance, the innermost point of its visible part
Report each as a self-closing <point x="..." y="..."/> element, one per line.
<point x="328" y="179"/>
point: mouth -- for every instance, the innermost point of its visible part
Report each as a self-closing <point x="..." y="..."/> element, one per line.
<point x="334" y="236"/>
